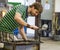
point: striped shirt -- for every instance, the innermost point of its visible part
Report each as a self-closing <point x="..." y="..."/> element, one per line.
<point x="8" y="24"/>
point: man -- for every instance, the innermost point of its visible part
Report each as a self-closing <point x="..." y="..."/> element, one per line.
<point x="15" y="18"/>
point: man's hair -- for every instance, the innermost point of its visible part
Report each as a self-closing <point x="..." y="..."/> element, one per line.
<point x="38" y="6"/>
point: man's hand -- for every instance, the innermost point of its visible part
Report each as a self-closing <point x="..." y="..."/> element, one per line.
<point x="34" y="27"/>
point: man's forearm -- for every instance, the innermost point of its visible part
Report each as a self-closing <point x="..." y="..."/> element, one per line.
<point x="22" y="32"/>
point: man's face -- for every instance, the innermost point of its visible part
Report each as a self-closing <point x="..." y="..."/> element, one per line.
<point x="34" y="12"/>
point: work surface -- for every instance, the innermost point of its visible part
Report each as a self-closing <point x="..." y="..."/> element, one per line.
<point x="49" y="44"/>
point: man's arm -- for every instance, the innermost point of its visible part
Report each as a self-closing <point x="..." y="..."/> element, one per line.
<point x="19" y="19"/>
<point x="22" y="32"/>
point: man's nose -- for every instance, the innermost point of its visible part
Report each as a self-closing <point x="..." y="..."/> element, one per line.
<point x="36" y="14"/>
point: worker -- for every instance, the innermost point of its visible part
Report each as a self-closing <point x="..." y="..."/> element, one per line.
<point x="15" y="18"/>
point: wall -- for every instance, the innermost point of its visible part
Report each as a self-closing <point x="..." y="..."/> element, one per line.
<point x="57" y="5"/>
<point x="47" y="14"/>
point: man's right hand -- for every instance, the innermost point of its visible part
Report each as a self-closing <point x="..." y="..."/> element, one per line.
<point x="34" y="27"/>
